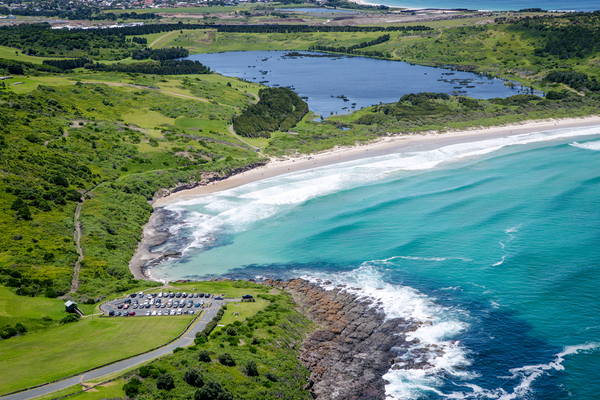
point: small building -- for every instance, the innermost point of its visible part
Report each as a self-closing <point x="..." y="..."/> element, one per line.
<point x="71" y="306"/>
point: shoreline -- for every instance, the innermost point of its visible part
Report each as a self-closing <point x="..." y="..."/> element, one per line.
<point x="145" y="258"/>
<point x="390" y="144"/>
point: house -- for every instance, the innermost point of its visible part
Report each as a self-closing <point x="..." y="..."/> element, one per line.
<point x="71" y="306"/>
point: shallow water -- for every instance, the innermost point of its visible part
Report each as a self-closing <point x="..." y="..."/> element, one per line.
<point x="362" y="81"/>
<point x="493" y="245"/>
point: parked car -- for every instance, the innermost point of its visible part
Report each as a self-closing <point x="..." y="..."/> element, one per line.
<point x="159" y="313"/>
<point x="131" y="313"/>
<point x="135" y="306"/>
<point x="247" y="296"/>
<point x="195" y="295"/>
<point x="118" y="314"/>
<point x="163" y="305"/>
<point x="218" y="298"/>
<point x="111" y="313"/>
<point x="200" y="294"/>
<point x="147" y="312"/>
<point x="184" y="294"/>
<point x="120" y="306"/>
<point x="197" y="305"/>
<point x="153" y="312"/>
<point x="171" y="295"/>
<point x="178" y="295"/>
<point x="126" y="306"/>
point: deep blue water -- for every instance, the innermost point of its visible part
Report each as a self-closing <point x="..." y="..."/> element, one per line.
<point x="363" y="81"/>
<point x="493" y="245"/>
<point x="495" y="5"/>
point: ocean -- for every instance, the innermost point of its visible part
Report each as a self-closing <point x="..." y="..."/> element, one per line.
<point x="493" y="246"/>
<point x="493" y="5"/>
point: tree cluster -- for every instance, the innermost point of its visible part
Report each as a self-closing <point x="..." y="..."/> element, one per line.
<point x="160" y="54"/>
<point x="68" y="63"/>
<point x="278" y="109"/>
<point x="354" y="49"/>
<point x="574" y="79"/>
<point x="166" y="67"/>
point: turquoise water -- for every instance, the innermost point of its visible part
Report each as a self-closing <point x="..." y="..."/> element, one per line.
<point x="493" y="245"/>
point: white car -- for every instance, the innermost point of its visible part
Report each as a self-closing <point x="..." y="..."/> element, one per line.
<point x="153" y="312"/>
<point x="148" y="312"/>
<point x="172" y="312"/>
<point x="179" y="311"/>
<point x="159" y="313"/>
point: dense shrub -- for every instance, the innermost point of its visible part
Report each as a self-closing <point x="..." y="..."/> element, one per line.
<point x="227" y="360"/>
<point x="250" y="368"/>
<point x="213" y="391"/>
<point x="69" y="319"/>
<point x="165" y="382"/>
<point x="132" y="387"/>
<point x="193" y="378"/>
<point x="204" y="356"/>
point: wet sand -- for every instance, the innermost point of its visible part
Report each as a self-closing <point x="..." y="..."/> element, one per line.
<point x="391" y="144"/>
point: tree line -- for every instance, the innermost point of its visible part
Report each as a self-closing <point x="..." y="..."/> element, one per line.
<point x="317" y="28"/>
<point x="68" y="63"/>
<point x="278" y="109"/>
<point x="160" y="54"/>
<point x="163" y="67"/>
<point x="574" y="79"/>
<point x="354" y="49"/>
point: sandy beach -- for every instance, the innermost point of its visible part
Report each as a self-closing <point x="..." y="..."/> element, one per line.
<point x="383" y="146"/>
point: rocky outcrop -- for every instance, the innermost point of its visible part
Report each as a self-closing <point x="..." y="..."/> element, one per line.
<point x="354" y="346"/>
<point x="206" y="178"/>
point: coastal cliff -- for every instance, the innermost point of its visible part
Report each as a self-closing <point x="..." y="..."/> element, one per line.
<point x="354" y="346"/>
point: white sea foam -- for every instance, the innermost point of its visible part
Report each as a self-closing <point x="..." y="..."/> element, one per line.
<point x="237" y="209"/>
<point x="503" y="244"/>
<point x="434" y="340"/>
<point x="587" y="145"/>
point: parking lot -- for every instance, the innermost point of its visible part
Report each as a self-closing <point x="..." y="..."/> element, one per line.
<point x="159" y="304"/>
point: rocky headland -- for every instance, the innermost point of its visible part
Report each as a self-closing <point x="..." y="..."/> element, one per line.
<point x="354" y="344"/>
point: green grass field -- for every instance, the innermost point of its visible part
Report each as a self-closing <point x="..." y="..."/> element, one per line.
<point x="10" y="53"/>
<point x="73" y="348"/>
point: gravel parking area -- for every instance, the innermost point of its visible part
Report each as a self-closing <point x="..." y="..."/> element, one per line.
<point x="158" y="304"/>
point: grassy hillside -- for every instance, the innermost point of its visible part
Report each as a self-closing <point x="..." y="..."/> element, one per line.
<point x="60" y="143"/>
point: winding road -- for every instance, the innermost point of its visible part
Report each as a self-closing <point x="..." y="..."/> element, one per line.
<point x="186" y="339"/>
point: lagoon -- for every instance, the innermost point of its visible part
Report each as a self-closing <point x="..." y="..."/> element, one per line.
<point x="333" y="83"/>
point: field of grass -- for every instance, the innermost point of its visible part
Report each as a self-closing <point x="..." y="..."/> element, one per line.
<point x="10" y="53"/>
<point x="245" y="310"/>
<point x="75" y="347"/>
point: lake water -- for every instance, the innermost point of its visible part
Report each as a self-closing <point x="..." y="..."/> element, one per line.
<point x="362" y="81"/>
<point x="493" y="246"/>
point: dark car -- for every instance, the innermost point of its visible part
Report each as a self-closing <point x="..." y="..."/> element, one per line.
<point x="120" y="306"/>
<point x="184" y="295"/>
<point x="200" y="294"/>
<point x="218" y="298"/>
<point x="135" y="306"/>
<point x="111" y="313"/>
<point x="118" y="314"/>
<point x="132" y="295"/>
<point x="172" y="295"/>
<point x="247" y="296"/>
<point x="178" y="295"/>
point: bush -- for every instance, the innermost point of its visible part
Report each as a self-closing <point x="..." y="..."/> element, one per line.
<point x="227" y="360"/>
<point x="132" y="387"/>
<point x="204" y="356"/>
<point x="193" y="378"/>
<point x="231" y="331"/>
<point x="70" y="318"/>
<point x="250" y="368"/>
<point x="165" y="381"/>
<point x="213" y="391"/>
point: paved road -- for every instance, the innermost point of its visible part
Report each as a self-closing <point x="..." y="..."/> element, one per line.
<point x="185" y="340"/>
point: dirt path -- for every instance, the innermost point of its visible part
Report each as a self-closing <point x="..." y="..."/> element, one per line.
<point x="238" y="137"/>
<point x="77" y="237"/>
<point x="161" y="38"/>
